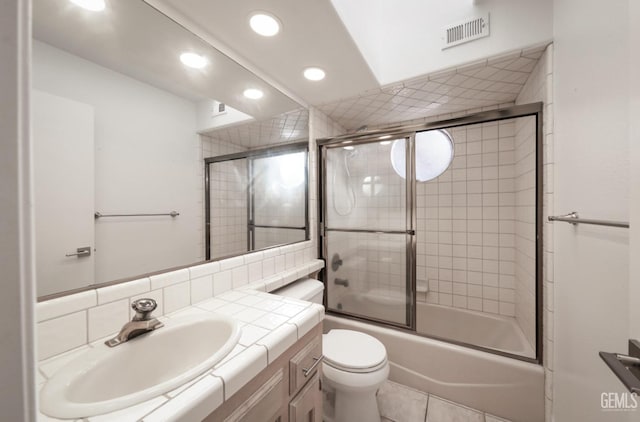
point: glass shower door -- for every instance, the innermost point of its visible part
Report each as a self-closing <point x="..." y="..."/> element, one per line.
<point x="277" y="200"/>
<point x="367" y="233"/>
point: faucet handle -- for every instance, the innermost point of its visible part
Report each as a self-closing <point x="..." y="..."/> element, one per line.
<point x="143" y="308"/>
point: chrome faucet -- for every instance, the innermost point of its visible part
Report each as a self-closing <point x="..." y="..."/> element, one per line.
<point x="141" y="323"/>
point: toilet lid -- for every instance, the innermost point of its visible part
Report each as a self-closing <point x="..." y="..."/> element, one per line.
<point x="353" y="351"/>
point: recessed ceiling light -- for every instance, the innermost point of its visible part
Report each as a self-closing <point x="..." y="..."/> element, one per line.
<point x="193" y="60"/>
<point x="264" y="24"/>
<point x="93" y="5"/>
<point x="254" y="94"/>
<point x="348" y="148"/>
<point x="314" y="74"/>
<point x="385" y="142"/>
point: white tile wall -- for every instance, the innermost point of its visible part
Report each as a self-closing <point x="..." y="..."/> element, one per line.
<point x="465" y="252"/>
<point x="228" y="197"/>
<point x="480" y="84"/>
<point x="539" y="87"/>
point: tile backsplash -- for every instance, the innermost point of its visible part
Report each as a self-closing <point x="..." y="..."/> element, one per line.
<point x="72" y="321"/>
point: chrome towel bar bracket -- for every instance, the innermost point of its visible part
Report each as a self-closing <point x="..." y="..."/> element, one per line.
<point x="626" y="367"/>
<point x="574" y="218"/>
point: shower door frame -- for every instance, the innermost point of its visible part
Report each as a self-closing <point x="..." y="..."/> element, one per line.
<point x="408" y="132"/>
<point x="410" y="223"/>
<point x="251" y="155"/>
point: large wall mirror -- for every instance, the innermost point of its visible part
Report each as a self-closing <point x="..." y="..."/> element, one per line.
<point x="272" y="211"/>
<point x="123" y="123"/>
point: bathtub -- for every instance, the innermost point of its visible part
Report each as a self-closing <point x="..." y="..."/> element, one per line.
<point x="502" y="386"/>
<point x="487" y="330"/>
<point x="460" y="325"/>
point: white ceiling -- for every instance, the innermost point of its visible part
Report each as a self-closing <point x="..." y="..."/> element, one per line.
<point x="312" y="34"/>
<point x="132" y="38"/>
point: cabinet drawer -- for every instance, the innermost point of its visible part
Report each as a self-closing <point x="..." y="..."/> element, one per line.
<point x="307" y="406"/>
<point x="300" y="364"/>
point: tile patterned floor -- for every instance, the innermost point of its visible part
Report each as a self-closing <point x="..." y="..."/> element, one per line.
<point x="399" y="403"/>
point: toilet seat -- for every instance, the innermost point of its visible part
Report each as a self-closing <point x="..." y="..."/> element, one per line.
<point x="353" y="351"/>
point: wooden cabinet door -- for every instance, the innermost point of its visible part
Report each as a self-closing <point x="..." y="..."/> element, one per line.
<point x="265" y="404"/>
<point x="307" y="405"/>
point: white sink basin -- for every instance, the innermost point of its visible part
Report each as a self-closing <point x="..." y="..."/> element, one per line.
<point x="106" y="379"/>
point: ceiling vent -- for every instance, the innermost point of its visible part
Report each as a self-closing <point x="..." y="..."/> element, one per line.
<point x="469" y="30"/>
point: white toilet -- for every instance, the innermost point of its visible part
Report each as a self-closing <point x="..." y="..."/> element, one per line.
<point x="355" y="365"/>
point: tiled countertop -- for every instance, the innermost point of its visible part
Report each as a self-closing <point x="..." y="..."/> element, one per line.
<point x="270" y="325"/>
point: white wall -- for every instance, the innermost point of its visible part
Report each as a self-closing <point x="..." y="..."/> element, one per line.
<point x="17" y="373"/>
<point x="539" y="87"/>
<point x="401" y="40"/>
<point x="591" y="152"/>
<point x="634" y="143"/>
<point x="146" y="162"/>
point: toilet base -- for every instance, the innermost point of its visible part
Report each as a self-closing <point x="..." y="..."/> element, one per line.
<point x="349" y="406"/>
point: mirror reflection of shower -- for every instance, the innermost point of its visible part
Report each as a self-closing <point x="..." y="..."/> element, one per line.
<point x="341" y="179"/>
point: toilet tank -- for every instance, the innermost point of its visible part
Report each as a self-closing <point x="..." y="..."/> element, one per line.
<point x="305" y="289"/>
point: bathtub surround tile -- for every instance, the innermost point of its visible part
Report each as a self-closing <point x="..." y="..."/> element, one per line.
<point x="65" y="305"/>
<point x="108" y="319"/>
<point x="62" y="334"/>
<point x="400" y="403"/>
<point x="440" y="410"/>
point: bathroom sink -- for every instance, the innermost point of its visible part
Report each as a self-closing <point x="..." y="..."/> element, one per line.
<point x="105" y="379"/>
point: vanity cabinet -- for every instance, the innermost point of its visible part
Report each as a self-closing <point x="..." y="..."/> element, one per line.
<point x="288" y="390"/>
